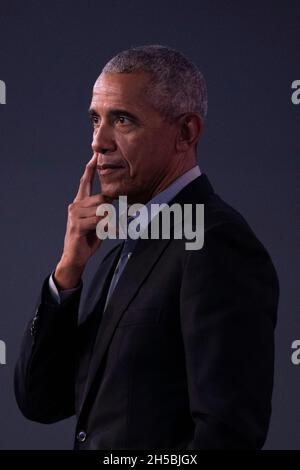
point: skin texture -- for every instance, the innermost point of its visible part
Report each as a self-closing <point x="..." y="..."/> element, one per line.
<point x="151" y="151"/>
<point x="136" y="152"/>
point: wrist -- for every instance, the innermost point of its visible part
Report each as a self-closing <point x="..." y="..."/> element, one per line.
<point x="67" y="275"/>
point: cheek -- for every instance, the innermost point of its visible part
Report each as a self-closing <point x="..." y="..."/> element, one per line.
<point x="135" y="153"/>
<point x="145" y="155"/>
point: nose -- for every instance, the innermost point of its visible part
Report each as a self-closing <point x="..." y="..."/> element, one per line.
<point x="103" y="139"/>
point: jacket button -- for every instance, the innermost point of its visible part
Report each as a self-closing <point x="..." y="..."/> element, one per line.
<point x="81" y="436"/>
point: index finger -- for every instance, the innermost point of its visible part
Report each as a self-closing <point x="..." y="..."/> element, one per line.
<point x="85" y="185"/>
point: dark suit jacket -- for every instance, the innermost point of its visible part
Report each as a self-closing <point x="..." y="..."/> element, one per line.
<point x="183" y="356"/>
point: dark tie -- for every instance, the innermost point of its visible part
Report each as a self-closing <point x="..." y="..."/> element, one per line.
<point x="124" y="257"/>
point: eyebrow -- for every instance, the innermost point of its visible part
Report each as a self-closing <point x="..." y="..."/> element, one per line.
<point x="115" y="112"/>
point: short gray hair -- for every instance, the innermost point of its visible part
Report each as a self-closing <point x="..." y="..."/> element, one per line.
<point x="176" y="85"/>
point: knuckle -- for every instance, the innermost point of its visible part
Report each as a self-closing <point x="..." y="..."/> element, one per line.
<point x="71" y="207"/>
<point x="74" y="228"/>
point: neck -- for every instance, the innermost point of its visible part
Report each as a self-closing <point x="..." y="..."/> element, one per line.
<point x="165" y="181"/>
<point x="170" y="178"/>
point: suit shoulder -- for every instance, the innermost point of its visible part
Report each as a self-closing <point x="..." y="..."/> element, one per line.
<point x="224" y="226"/>
<point x="218" y="212"/>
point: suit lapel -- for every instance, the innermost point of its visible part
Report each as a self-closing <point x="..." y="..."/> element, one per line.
<point x="142" y="261"/>
<point x="98" y="290"/>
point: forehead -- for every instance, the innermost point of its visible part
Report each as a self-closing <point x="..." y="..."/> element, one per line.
<point x="120" y="90"/>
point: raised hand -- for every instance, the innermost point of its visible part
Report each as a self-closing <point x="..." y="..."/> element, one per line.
<point x="81" y="240"/>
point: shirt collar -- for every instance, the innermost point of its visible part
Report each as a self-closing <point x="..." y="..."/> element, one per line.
<point x="175" y="187"/>
<point x="169" y="193"/>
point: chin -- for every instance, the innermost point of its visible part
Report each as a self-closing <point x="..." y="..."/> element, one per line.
<point x="113" y="191"/>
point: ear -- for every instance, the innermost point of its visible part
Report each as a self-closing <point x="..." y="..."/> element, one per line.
<point x="190" y="127"/>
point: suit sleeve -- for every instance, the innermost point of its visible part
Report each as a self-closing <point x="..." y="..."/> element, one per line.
<point x="229" y="300"/>
<point x="45" y="372"/>
<point x="62" y="295"/>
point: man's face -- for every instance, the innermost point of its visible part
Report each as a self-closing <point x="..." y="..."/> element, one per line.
<point x="135" y="145"/>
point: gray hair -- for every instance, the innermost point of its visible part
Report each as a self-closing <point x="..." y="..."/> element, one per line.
<point x="176" y="85"/>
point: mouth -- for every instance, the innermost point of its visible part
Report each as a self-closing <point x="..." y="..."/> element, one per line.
<point x="107" y="168"/>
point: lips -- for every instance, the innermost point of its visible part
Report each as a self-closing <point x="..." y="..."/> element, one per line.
<point x="108" y="168"/>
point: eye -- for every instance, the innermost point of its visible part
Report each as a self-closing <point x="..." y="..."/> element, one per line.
<point x="94" y="119"/>
<point x="123" y="120"/>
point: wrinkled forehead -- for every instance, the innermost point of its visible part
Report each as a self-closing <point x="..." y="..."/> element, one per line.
<point x="122" y="84"/>
<point x="121" y="90"/>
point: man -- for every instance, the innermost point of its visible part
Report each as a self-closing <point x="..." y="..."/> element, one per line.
<point x="174" y="348"/>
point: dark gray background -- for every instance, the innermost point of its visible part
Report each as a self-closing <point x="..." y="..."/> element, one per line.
<point x="50" y="55"/>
